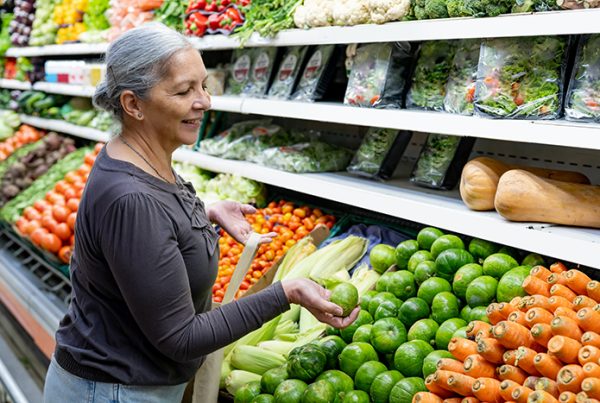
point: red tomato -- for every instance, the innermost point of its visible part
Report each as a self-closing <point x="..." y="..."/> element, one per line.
<point x="32" y="214"/>
<point x="63" y="231"/>
<point x="73" y="204"/>
<point x="51" y="242"/>
<point x="37" y="236"/>
<point x="60" y="213"/>
<point x="64" y="254"/>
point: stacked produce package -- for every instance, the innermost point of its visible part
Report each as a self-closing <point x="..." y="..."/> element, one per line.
<point x="95" y="21"/>
<point x="212" y="17"/>
<point x="20" y="26"/>
<point x="125" y="15"/>
<point x="68" y="15"/>
<point x="44" y="25"/>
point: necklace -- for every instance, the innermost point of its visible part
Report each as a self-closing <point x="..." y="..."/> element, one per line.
<point x="144" y="159"/>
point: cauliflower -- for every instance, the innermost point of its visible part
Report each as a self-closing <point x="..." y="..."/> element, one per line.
<point x="301" y="17"/>
<point x="383" y="11"/>
<point x="436" y="9"/>
<point x="350" y="12"/>
<point x="319" y="12"/>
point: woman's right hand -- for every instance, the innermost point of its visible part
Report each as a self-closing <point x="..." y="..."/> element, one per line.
<point x="315" y="298"/>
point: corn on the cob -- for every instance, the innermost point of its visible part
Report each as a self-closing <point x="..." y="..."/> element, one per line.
<point x="255" y="359"/>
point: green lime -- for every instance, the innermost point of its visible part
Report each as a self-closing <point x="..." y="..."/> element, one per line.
<point x="432" y="287"/>
<point x="412" y="310"/>
<point x="404" y="251"/>
<point x="383" y="384"/>
<point x="424" y="270"/>
<point x="402" y="284"/>
<point x="418" y="257"/>
<point x="345" y="295"/>
<point x="409" y="357"/>
<point x="382" y="257"/>
<point x="498" y="264"/>
<point x="366" y="374"/>
<point x="427" y="236"/>
<point x="354" y="355"/>
<point x="424" y="329"/>
<point x="446" y="242"/>
<point x="363" y="333"/>
<point x="481" y="291"/>
<point x="387" y="335"/>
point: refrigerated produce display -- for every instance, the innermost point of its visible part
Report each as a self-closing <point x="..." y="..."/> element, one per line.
<point x="434" y="162"/>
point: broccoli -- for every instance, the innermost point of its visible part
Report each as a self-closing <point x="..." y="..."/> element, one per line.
<point x="420" y="13"/>
<point x="456" y="8"/>
<point x="490" y="8"/>
<point x="436" y="9"/>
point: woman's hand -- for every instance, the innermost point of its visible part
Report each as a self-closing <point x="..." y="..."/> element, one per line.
<point x="230" y="216"/>
<point x="316" y="299"/>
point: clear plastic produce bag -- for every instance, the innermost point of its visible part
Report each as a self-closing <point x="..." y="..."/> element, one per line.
<point x="313" y="156"/>
<point x="521" y="78"/>
<point x="460" y="90"/>
<point x="583" y="99"/>
<point x="218" y="145"/>
<point x="287" y="73"/>
<point x="527" y="6"/>
<point x="250" y="146"/>
<point x="379" y="74"/>
<point x="428" y="88"/>
<point x="317" y="74"/>
<point x="261" y="71"/>
<point x="239" y="71"/>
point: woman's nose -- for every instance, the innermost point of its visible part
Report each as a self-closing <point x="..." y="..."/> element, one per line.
<point x="202" y="102"/>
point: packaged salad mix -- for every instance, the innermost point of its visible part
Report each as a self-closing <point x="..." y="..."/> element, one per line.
<point x="428" y="88"/>
<point x="521" y="78"/>
<point x="239" y="71"/>
<point x="460" y="89"/>
<point x="287" y="73"/>
<point x="263" y="60"/>
<point x="317" y="74"/>
<point x="583" y="99"/>
<point x="379" y="74"/>
<point x="218" y="145"/>
<point x="307" y="157"/>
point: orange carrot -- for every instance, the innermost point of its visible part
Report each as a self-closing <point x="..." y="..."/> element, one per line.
<point x="569" y="378"/>
<point x="491" y="349"/>
<point x="506" y="389"/>
<point x="518" y="317"/>
<point x="540" y="396"/>
<point x="564" y="311"/>
<point x="565" y="326"/>
<point x="462" y="348"/>
<point x="494" y="314"/>
<point x="558" y="267"/>
<point x="477" y="366"/>
<point x="590" y="339"/>
<point x="426" y="397"/>
<point x="539" y="301"/>
<point x="475" y="326"/>
<point x="515" y="301"/>
<point x="577" y="281"/>
<point x="461" y="384"/>
<point x="509" y="357"/>
<point x="512" y="373"/>
<point x="597" y="307"/>
<point x="470" y="399"/>
<point x="482" y="334"/>
<point x="449" y="364"/>
<point x="588" y="354"/>
<point x="540" y="272"/>
<point x="506" y="309"/>
<point x="524" y="361"/>
<point x="567" y="397"/>
<point x="589" y="400"/>
<point x="581" y="301"/>
<point x="437" y="387"/>
<point x="520" y="394"/>
<point x="523" y="306"/>
<point x="591" y="370"/>
<point x="589" y="320"/>
<point x="556" y="301"/>
<point x="564" y="348"/>
<point x="547" y="365"/>
<point x="557" y="278"/>
<point x="563" y="291"/>
<point x="512" y="335"/>
<point x="453" y="400"/>
<point x="581" y="397"/>
<point x="547" y="385"/>
<point x="530" y="382"/>
<point x="533" y="285"/>
<point x="591" y="386"/>
<point x="593" y="290"/>
<point x="538" y="315"/>
<point x="541" y="333"/>
<point x="487" y="390"/>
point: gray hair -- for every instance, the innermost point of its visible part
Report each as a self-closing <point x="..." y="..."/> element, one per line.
<point x="136" y="61"/>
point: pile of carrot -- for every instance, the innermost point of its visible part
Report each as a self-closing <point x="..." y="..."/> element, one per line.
<point x="541" y="348"/>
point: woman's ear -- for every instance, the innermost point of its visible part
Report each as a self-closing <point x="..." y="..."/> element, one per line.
<point x="131" y="105"/>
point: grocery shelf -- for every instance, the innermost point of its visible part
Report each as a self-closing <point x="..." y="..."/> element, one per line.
<point x="65" y="127"/>
<point x="14" y="84"/>
<point x="58" y="50"/>
<point x="401" y="199"/>
<point x="65" y="89"/>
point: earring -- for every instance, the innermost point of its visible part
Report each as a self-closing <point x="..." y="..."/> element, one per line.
<point x="140" y="115"/>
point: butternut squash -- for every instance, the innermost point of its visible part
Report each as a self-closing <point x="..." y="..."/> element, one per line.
<point x="480" y="176"/>
<point x="523" y="196"/>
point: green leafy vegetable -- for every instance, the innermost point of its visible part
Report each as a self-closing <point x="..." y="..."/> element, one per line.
<point x="460" y="90"/>
<point x="583" y="101"/>
<point x="435" y="159"/>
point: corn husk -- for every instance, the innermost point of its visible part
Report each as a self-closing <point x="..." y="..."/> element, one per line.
<point x="295" y="254"/>
<point x="238" y="378"/>
<point x="255" y="359"/>
<point x="364" y="279"/>
<point x="285" y="327"/>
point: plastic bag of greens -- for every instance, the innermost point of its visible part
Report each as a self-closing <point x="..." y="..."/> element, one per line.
<point x="379" y="74"/>
<point x="239" y="71"/>
<point x="313" y="156"/>
<point x="441" y="161"/>
<point x="261" y="71"/>
<point x="428" y="88"/>
<point x="287" y="74"/>
<point x="379" y="153"/>
<point x="317" y="74"/>
<point x="521" y="78"/>
<point x="527" y="6"/>
<point x="460" y="90"/>
<point x="218" y="145"/>
<point x="583" y="100"/>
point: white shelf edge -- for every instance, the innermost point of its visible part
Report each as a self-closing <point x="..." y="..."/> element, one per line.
<point x="419" y="206"/>
<point x="65" y="127"/>
<point x="58" y="50"/>
<point x="14" y="84"/>
<point x="65" y="89"/>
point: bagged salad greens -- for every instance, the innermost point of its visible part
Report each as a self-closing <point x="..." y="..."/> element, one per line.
<point x="287" y="74"/>
<point x="250" y="146"/>
<point x="218" y="145"/>
<point x="460" y="89"/>
<point x="583" y="100"/>
<point x="441" y="160"/>
<point x="527" y="6"/>
<point x="379" y="74"/>
<point x="311" y="156"/>
<point x="521" y="77"/>
<point x="379" y="153"/>
<point x="263" y="60"/>
<point x="239" y="71"/>
<point x="428" y="88"/>
<point x="317" y="74"/>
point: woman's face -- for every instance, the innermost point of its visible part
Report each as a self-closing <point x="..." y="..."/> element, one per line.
<point x="175" y="106"/>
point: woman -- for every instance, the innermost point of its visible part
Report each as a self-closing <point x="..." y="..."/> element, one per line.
<point x="146" y="254"/>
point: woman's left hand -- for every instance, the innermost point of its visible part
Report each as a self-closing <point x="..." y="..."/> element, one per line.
<point x="230" y="216"/>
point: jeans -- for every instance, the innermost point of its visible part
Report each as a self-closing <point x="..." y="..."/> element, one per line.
<point x="63" y="387"/>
